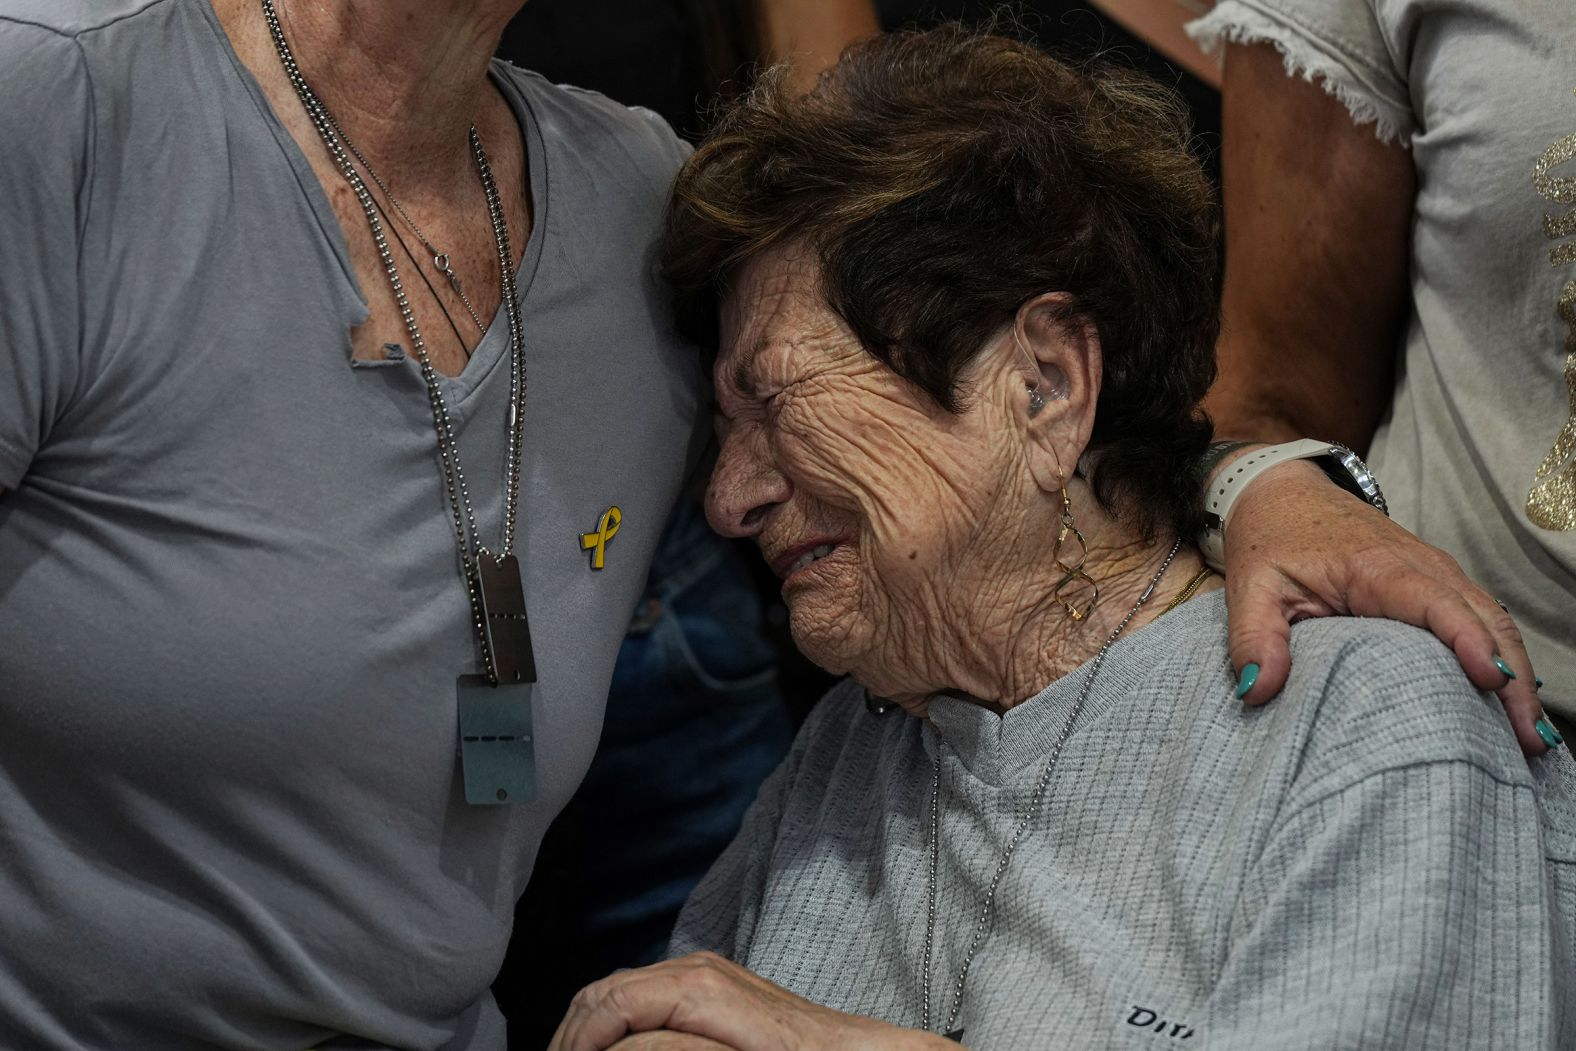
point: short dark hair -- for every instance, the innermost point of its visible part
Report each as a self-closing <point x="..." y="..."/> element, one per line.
<point x="944" y="178"/>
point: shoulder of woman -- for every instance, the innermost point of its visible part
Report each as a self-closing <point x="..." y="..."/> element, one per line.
<point x="1385" y="696"/>
<point x="1355" y="50"/>
<point x="600" y="126"/>
<point x="48" y="93"/>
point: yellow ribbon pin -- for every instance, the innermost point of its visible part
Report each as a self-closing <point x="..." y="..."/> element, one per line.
<point x="596" y="542"/>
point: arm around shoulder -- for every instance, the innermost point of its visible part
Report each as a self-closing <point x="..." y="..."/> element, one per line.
<point x="1318" y="219"/>
<point x="1318" y="222"/>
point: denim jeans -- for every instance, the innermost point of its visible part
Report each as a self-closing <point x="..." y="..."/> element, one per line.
<point x="695" y="722"/>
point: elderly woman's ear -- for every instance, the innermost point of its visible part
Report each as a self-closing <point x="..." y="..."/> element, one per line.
<point x="1058" y="361"/>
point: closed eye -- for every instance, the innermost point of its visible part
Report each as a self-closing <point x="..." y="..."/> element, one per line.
<point x="770" y="402"/>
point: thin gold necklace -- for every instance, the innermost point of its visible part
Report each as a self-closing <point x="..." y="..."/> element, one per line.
<point x="1188" y="590"/>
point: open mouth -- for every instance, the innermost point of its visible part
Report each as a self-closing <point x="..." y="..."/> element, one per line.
<point x="815" y="554"/>
<point x="802" y="557"/>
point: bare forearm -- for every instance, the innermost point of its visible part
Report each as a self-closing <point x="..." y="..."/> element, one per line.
<point x="1262" y="396"/>
<point x="1318" y="216"/>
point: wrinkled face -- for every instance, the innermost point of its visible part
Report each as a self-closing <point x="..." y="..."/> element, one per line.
<point x="874" y="506"/>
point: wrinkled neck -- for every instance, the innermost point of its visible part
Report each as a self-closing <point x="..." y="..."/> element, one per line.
<point x="1008" y="633"/>
<point x="406" y="79"/>
<point x="1050" y="643"/>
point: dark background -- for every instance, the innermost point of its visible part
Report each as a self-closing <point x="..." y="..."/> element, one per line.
<point x="673" y="55"/>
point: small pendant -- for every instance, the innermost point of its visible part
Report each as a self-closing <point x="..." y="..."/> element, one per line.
<point x="955" y="1035"/>
<point x="508" y="633"/>
<point x="497" y="755"/>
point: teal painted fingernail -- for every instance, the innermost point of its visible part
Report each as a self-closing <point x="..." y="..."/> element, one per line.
<point x="1245" y="681"/>
<point x="1537" y="684"/>
<point x="1499" y="663"/>
<point x="1550" y="735"/>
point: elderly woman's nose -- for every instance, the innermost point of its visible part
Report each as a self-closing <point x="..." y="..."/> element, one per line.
<point x="744" y="487"/>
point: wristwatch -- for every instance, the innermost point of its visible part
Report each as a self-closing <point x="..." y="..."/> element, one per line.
<point x="1344" y="467"/>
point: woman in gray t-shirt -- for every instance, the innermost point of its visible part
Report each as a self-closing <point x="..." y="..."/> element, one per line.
<point x="957" y="405"/>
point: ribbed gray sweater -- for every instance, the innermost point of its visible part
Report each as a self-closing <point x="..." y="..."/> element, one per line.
<point x="1368" y="862"/>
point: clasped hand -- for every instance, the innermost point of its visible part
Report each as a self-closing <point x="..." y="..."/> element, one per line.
<point x="702" y="1002"/>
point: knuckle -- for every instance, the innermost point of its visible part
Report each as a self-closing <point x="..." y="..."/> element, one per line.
<point x="1252" y="643"/>
<point x="618" y="1000"/>
<point x="1446" y="576"/>
<point x="590" y="996"/>
<point x="1503" y="627"/>
<point x="1251" y="595"/>
<point x="709" y="981"/>
<point x="1518" y="698"/>
<point x="1442" y="564"/>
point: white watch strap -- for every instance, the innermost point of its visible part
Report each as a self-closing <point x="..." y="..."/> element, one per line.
<point x="1234" y="478"/>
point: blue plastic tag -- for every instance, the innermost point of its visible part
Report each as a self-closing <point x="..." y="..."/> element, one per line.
<point x="497" y="755"/>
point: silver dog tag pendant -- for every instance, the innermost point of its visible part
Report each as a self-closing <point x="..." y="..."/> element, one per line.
<point x="497" y="754"/>
<point x="509" y="653"/>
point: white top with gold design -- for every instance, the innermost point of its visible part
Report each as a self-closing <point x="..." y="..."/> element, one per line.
<point x="1478" y="452"/>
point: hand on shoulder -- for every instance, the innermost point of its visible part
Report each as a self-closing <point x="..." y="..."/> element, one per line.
<point x="1300" y="547"/>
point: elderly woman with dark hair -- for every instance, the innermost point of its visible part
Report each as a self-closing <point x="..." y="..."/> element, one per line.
<point x="967" y="318"/>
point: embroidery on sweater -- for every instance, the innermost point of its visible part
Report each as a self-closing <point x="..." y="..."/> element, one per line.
<point x="1552" y="501"/>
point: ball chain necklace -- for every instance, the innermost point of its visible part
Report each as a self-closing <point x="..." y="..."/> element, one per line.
<point x="982" y="924"/>
<point x="440" y="259"/>
<point x="496" y="750"/>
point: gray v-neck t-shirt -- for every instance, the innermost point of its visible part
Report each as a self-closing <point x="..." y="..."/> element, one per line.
<point x="231" y="609"/>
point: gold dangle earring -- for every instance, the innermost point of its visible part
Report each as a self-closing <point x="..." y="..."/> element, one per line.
<point x="1083" y="587"/>
<point x="1074" y="579"/>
